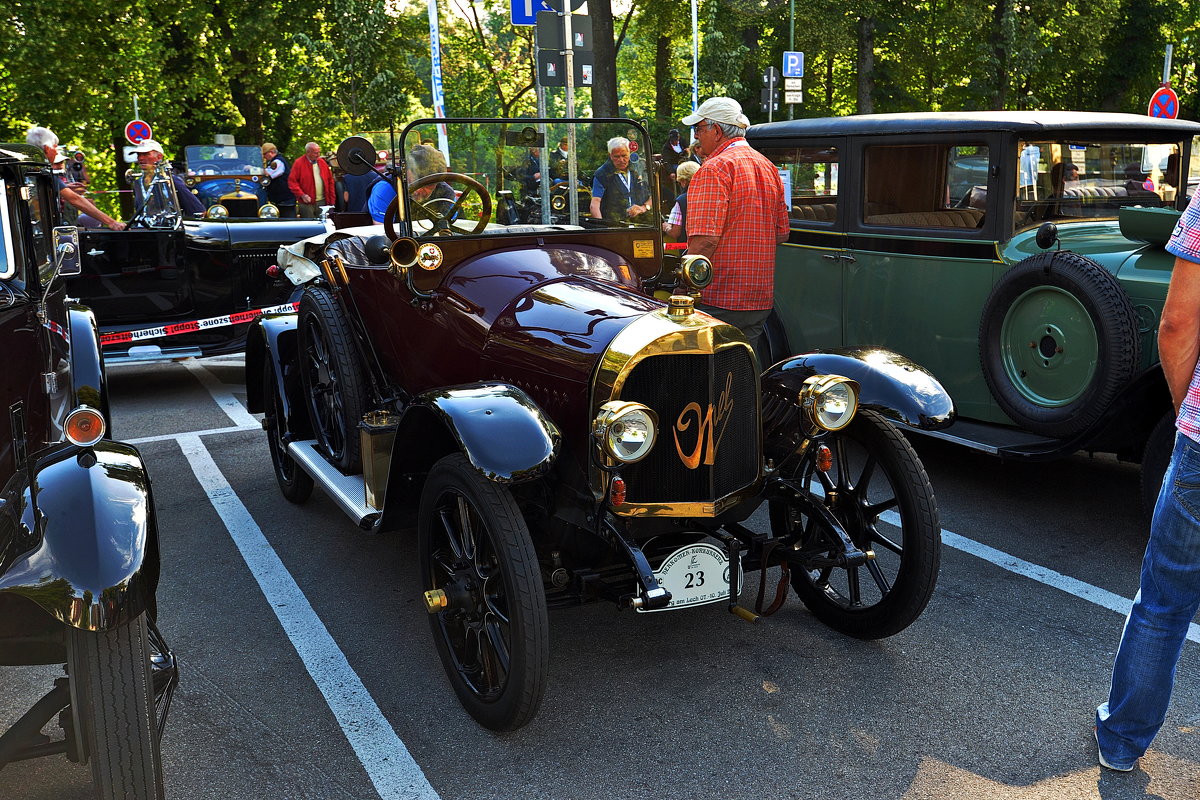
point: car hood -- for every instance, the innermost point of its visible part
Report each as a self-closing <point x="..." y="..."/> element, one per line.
<point x="1099" y="240"/>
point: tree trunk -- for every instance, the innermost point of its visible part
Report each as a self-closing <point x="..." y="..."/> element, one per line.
<point x="664" y="102"/>
<point x="1000" y="48"/>
<point x="604" y="89"/>
<point x="866" y="65"/>
<point x="752" y="82"/>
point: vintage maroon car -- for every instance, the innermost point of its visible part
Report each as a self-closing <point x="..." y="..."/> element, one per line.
<point x="557" y="433"/>
<point x="78" y="534"/>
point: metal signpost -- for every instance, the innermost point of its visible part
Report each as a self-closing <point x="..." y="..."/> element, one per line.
<point x="562" y="38"/>
<point x="770" y="92"/>
<point x="1164" y="103"/>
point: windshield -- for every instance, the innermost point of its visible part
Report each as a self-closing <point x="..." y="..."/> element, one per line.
<point x="212" y="159"/>
<point x="565" y="174"/>
<point x="1061" y="180"/>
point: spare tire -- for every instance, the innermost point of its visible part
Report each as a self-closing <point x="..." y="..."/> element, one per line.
<point x="1058" y="340"/>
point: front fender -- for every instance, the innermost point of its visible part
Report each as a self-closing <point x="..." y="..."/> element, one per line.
<point x="899" y="389"/>
<point x="272" y="345"/>
<point x="83" y="540"/>
<point x="88" y="384"/>
<point x="502" y="432"/>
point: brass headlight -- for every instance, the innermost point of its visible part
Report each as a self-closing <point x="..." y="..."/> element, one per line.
<point x="696" y="271"/>
<point x="625" y="430"/>
<point x="558" y="203"/>
<point x="217" y="211"/>
<point x="268" y="211"/>
<point x="829" y="402"/>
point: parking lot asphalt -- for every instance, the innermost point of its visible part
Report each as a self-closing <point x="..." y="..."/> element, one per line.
<point x="308" y="669"/>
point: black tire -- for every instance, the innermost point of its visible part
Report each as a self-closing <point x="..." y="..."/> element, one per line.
<point x="1058" y="340"/>
<point x="333" y="378"/>
<point x="493" y="638"/>
<point x="1155" y="459"/>
<point x="113" y="704"/>
<point x="295" y="484"/>
<point x="875" y="473"/>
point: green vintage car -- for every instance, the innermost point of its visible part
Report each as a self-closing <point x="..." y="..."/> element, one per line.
<point x="1017" y="255"/>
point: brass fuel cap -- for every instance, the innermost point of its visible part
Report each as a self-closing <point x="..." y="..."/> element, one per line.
<point x="680" y="306"/>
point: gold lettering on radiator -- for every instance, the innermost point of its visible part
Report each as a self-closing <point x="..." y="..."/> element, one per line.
<point x="710" y="427"/>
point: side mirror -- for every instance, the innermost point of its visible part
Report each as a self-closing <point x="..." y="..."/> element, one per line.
<point x="1047" y="235"/>
<point x="66" y="251"/>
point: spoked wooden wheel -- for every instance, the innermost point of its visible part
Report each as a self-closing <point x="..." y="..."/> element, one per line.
<point x="489" y="617"/>
<point x="879" y="492"/>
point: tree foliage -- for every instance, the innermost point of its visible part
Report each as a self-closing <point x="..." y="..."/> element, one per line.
<point x="321" y="69"/>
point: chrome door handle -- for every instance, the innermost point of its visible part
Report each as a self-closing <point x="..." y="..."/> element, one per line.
<point x="830" y="256"/>
<point x="94" y="252"/>
<point x="847" y="257"/>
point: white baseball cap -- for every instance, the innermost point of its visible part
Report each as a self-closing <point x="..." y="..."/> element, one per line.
<point x="719" y="109"/>
<point x="149" y="146"/>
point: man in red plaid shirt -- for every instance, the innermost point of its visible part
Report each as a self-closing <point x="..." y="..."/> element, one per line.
<point x="736" y="215"/>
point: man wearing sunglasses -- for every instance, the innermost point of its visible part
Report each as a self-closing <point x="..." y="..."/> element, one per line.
<point x="736" y="216"/>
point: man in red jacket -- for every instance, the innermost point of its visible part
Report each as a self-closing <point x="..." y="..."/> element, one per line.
<point x="311" y="181"/>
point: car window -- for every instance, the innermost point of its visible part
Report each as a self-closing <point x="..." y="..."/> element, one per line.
<point x="512" y="163"/>
<point x="925" y="185"/>
<point x="1064" y="180"/>
<point x="214" y="159"/>
<point x="8" y="227"/>
<point x="40" y="208"/>
<point x="810" y="180"/>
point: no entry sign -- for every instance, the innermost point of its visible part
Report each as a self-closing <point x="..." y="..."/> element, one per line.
<point x="137" y="131"/>
<point x="1164" y="103"/>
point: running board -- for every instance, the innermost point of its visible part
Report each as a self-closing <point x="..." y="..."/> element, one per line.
<point x="349" y="492"/>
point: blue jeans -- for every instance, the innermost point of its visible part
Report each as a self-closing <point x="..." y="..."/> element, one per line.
<point x="1166" y="602"/>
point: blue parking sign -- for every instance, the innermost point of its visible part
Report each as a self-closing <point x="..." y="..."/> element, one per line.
<point x="524" y="12"/>
<point x="793" y="63"/>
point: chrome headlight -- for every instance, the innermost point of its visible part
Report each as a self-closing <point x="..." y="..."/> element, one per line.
<point x="829" y="402"/>
<point x="696" y="271"/>
<point x="268" y="211"/>
<point x="625" y="430"/>
<point x="217" y="211"/>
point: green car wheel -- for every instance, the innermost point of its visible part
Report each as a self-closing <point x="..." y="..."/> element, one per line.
<point x="1058" y="341"/>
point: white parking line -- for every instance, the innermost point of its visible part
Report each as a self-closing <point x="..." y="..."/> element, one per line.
<point x="224" y="398"/>
<point x="171" y="437"/>
<point x="392" y="770"/>
<point x="1044" y="575"/>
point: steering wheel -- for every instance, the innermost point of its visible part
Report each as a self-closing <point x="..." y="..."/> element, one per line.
<point x="440" y="213"/>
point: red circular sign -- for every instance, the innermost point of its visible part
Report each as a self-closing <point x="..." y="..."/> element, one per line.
<point x="1164" y="104"/>
<point x="136" y="131"/>
<point x="633" y="147"/>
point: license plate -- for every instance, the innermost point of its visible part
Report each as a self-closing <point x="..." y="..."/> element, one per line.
<point x="694" y="575"/>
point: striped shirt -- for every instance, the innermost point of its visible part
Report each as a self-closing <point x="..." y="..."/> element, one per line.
<point x="737" y="196"/>
<point x="1185" y="243"/>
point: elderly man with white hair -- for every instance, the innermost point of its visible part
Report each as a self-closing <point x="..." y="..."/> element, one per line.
<point x="736" y="217"/>
<point x="47" y="140"/>
<point x="619" y="192"/>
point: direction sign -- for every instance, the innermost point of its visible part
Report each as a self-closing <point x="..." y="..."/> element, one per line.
<point x="524" y="12"/>
<point x="793" y="64"/>
<point x="136" y="131"/>
<point x="1164" y="103"/>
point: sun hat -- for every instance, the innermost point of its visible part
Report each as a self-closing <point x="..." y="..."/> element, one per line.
<point x="149" y="146"/>
<point x="268" y="147"/>
<point x="719" y="109"/>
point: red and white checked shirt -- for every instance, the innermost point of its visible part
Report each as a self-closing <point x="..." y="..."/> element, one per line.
<point x="1185" y="243"/>
<point x="737" y="196"/>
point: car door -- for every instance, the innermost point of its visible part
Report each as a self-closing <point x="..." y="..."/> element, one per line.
<point x="922" y="253"/>
<point x="133" y="275"/>
<point x="809" y="265"/>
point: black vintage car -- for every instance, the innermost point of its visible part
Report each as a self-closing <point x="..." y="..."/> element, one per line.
<point x="170" y="287"/>
<point x="78" y="536"/>
<point x="557" y="434"/>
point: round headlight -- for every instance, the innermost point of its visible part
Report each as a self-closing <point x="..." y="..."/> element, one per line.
<point x="268" y="211"/>
<point x="829" y="401"/>
<point x="558" y="203"/>
<point x="696" y="271"/>
<point x="84" y="426"/>
<point x="217" y="211"/>
<point x="626" y="431"/>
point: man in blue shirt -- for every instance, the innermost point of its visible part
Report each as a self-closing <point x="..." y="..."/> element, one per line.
<point x="618" y="192"/>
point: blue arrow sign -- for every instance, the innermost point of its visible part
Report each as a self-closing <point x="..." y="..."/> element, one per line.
<point x="524" y="12"/>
